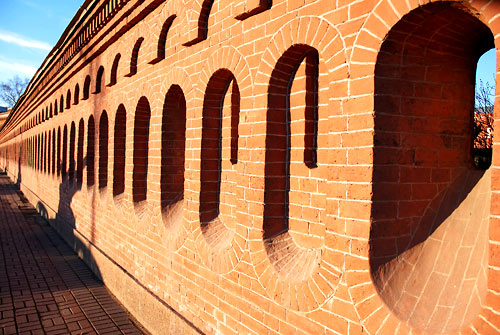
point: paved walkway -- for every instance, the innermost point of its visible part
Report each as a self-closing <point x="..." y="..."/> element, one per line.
<point x="44" y="287"/>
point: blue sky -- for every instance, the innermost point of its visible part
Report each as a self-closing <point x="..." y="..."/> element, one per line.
<point x="486" y="67"/>
<point x="28" y="31"/>
<point x="30" y="28"/>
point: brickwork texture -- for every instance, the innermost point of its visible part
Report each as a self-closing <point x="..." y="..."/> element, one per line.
<point x="271" y="167"/>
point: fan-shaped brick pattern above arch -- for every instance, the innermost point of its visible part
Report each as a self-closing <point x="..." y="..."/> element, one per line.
<point x="219" y="233"/>
<point x="299" y="79"/>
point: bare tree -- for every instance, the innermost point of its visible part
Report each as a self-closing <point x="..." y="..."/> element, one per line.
<point x="12" y="89"/>
<point x="485" y="97"/>
<point x="483" y="125"/>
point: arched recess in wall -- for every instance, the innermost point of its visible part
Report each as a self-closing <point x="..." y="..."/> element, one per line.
<point x="76" y="95"/>
<point x="201" y="31"/>
<point x="39" y="152"/>
<point x="50" y="111"/>
<point x="120" y="137"/>
<point x="42" y="142"/>
<point x="35" y="153"/>
<point x="72" y="137"/>
<point x="58" y="158"/>
<point x="91" y="152"/>
<point x="303" y="82"/>
<point x="64" y="158"/>
<point x="221" y="108"/>
<point x="134" y="58"/>
<point x="429" y="233"/>
<point x="55" y="107"/>
<point x="141" y="143"/>
<point x="103" y="150"/>
<point x="54" y="148"/>
<point x="79" y="155"/>
<point x="68" y="99"/>
<point x="61" y="104"/>
<point x="173" y="147"/>
<point x="44" y="152"/>
<point x="114" y="70"/>
<point x="86" y="88"/>
<point x="291" y="128"/>
<point x="98" y="79"/>
<point x="47" y="155"/>
<point x="30" y="151"/>
<point x="162" y="40"/>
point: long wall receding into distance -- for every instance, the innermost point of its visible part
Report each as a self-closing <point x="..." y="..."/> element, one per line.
<point x="271" y="167"/>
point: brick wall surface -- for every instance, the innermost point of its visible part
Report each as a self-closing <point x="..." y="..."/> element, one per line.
<point x="271" y="167"/>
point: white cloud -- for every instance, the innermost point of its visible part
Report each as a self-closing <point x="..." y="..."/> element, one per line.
<point x="18" y="68"/>
<point x="23" y="41"/>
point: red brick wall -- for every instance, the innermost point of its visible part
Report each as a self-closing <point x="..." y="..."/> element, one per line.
<point x="294" y="167"/>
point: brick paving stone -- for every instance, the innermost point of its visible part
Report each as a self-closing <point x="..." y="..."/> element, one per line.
<point x="44" y="287"/>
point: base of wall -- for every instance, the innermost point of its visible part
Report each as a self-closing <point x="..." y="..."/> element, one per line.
<point x="153" y="314"/>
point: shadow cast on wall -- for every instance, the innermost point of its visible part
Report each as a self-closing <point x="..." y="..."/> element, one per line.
<point x="429" y="232"/>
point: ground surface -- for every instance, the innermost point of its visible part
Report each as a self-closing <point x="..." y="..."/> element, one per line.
<point x="44" y="287"/>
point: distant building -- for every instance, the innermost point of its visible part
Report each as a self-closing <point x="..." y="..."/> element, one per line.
<point x="483" y="126"/>
<point x="4" y="114"/>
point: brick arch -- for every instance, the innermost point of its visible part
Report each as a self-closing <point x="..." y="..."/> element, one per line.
<point x="103" y="151"/>
<point x="119" y="152"/>
<point x="223" y="258"/>
<point x="99" y="80"/>
<point x="86" y="87"/>
<point x="114" y="74"/>
<point x="173" y="158"/>
<point x="142" y="125"/>
<point x="423" y="149"/>
<point x="90" y="159"/>
<point x="61" y="104"/>
<point x="172" y="12"/>
<point x="134" y="59"/>
<point x="58" y="154"/>
<point x="44" y="152"/>
<point x="72" y="151"/>
<point x="141" y="213"/>
<point x="68" y="99"/>
<point x="162" y="39"/>
<point x="198" y="16"/>
<point x="290" y="49"/>
<point x="172" y="234"/>
<point x="79" y="155"/>
<point x="64" y="153"/>
<point x="53" y="155"/>
<point x="76" y="94"/>
<point x="122" y="203"/>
